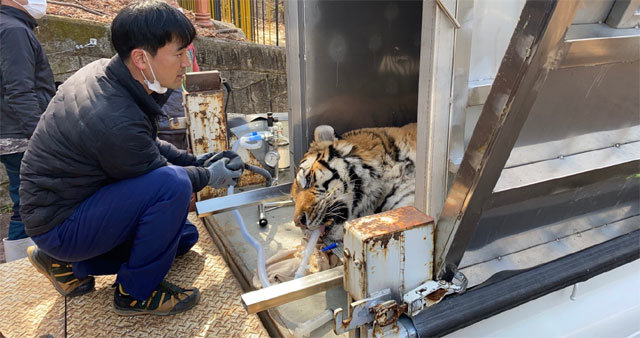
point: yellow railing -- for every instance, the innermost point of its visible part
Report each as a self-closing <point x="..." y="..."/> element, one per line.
<point x="238" y="12"/>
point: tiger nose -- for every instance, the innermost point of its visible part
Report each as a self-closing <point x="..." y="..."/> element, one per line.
<point x="302" y="221"/>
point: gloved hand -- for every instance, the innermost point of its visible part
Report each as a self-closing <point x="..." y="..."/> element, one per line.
<point x="230" y="154"/>
<point x="225" y="172"/>
<point x="200" y="160"/>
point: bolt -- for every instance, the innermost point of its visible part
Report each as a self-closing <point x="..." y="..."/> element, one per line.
<point x="561" y="157"/>
<point x="499" y="258"/>
<point x="617" y="145"/>
<point x="347" y="254"/>
<point x="442" y="282"/>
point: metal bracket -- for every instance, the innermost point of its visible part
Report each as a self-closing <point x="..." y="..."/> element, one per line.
<point x="363" y="312"/>
<point x="432" y="292"/>
<point x="178" y="123"/>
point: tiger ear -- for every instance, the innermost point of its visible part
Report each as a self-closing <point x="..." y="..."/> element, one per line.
<point x="324" y="133"/>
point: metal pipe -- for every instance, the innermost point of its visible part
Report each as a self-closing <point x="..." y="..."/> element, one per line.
<point x="275" y="295"/>
<point x="230" y="202"/>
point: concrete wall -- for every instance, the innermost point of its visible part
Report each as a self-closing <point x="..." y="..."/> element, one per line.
<point x="256" y="73"/>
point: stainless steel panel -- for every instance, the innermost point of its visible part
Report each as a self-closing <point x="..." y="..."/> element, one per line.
<point x="579" y="32"/>
<point x="518" y="177"/>
<point x="478" y="94"/>
<point x="361" y="63"/>
<point x="493" y="24"/>
<point x="572" y="145"/>
<point x="600" y="51"/>
<point x="294" y="20"/>
<point x="593" y="11"/>
<point x="607" y="201"/>
<point x="625" y="14"/>
<point x="581" y="100"/>
<point x="554" y="248"/>
<point x="536" y="204"/>
<point x="535" y="42"/>
<point x="460" y="92"/>
<point x="436" y="79"/>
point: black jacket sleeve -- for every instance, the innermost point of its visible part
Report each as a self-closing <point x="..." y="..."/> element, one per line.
<point x="174" y="155"/>
<point x="17" y="67"/>
<point x="128" y="150"/>
<point x="199" y="177"/>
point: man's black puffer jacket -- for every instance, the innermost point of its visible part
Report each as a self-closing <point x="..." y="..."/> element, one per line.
<point x="26" y="79"/>
<point x="99" y="128"/>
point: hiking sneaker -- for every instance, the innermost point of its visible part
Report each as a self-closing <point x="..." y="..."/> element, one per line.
<point x="166" y="299"/>
<point x="59" y="273"/>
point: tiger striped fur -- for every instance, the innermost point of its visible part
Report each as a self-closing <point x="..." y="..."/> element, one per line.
<point x="365" y="171"/>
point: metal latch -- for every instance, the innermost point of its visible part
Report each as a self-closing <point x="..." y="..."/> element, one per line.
<point x="363" y="312"/>
<point x="388" y="312"/>
<point x="432" y="292"/>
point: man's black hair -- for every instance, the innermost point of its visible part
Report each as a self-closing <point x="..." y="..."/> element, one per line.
<point x="149" y="25"/>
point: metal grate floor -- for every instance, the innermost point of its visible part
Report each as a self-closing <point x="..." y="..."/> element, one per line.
<point x="31" y="307"/>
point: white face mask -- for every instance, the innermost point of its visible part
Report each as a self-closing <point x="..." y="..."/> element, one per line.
<point x="36" y="8"/>
<point x="155" y="86"/>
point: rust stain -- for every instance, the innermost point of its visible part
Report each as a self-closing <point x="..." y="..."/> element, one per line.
<point x="345" y="322"/>
<point x="437" y="295"/>
<point x="388" y="312"/>
<point x="390" y="222"/>
<point x="383" y="240"/>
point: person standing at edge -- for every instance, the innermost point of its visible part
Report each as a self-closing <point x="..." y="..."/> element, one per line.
<point x="98" y="196"/>
<point x="26" y="87"/>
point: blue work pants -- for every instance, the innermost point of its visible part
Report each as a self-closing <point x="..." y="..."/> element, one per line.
<point x="12" y="164"/>
<point x="134" y="227"/>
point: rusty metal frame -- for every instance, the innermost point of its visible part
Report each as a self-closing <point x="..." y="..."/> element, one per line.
<point x="536" y="47"/>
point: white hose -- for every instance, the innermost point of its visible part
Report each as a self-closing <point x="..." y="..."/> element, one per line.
<point x="262" y="269"/>
<point x="308" y="250"/>
<point x="305" y="329"/>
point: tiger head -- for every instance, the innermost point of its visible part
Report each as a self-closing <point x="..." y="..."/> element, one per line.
<point x="366" y="171"/>
<point x="321" y="189"/>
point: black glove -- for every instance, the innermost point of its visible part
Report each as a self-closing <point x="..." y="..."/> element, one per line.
<point x="200" y="160"/>
<point x="223" y="154"/>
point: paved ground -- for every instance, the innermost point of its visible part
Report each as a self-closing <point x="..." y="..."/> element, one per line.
<point x="30" y="306"/>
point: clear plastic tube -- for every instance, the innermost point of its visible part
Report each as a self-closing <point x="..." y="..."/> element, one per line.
<point x="262" y="270"/>
<point x="305" y="329"/>
<point x="251" y="142"/>
<point x="308" y="250"/>
<point x="254" y="139"/>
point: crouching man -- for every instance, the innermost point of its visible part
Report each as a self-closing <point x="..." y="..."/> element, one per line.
<point x="98" y="195"/>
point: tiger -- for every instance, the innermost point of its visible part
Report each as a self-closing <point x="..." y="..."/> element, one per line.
<point x="362" y="172"/>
